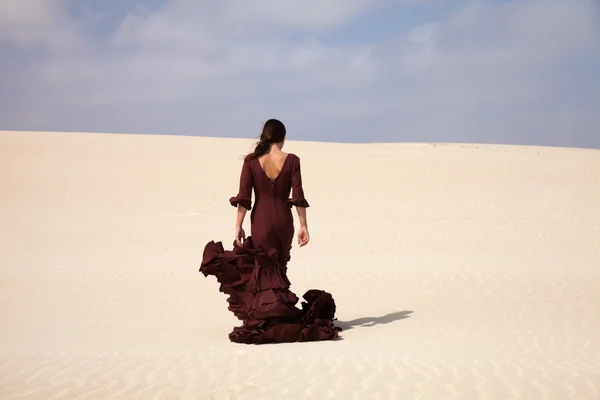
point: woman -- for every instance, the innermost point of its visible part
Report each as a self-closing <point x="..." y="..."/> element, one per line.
<point x="253" y="274"/>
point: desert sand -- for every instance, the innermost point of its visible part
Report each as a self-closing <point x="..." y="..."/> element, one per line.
<point x="460" y="271"/>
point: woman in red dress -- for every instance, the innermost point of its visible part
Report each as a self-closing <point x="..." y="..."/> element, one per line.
<point x="253" y="274"/>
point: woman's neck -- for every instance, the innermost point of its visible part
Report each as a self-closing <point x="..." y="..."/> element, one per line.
<point x="274" y="149"/>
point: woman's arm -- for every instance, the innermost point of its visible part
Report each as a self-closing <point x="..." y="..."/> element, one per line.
<point x="243" y="201"/>
<point x="300" y="202"/>
<point x="240" y="234"/>
<point x="241" y="214"/>
<point x="302" y="216"/>
<point x="303" y="235"/>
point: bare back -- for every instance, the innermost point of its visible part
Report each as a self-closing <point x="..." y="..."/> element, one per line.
<point x="272" y="164"/>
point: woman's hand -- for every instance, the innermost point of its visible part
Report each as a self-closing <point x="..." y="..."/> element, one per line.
<point x="303" y="236"/>
<point x="240" y="235"/>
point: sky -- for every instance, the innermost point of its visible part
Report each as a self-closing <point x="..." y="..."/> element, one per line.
<point x="521" y="72"/>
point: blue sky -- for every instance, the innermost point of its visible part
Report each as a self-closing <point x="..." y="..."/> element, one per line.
<point x="484" y="71"/>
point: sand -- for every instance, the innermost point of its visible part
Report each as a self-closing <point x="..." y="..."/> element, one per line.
<point x="460" y="271"/>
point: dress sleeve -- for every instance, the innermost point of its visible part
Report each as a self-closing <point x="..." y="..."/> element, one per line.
<point x="244" y="196"/>
<point x="297" y="199"/>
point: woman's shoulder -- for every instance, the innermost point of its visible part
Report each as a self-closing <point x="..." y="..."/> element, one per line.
<point x="293" y="156"/>
<point x="248" y="164"/>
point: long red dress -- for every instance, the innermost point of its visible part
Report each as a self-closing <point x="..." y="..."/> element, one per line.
<point x="254" y="275"/>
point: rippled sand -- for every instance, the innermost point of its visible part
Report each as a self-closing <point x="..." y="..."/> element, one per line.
<point x="459" y="271"/>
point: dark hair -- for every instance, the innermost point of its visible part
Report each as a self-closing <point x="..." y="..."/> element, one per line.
<point x="273" y="132"/>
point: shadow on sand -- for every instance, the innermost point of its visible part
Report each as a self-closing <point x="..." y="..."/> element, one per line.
<point x="366" y="322"/>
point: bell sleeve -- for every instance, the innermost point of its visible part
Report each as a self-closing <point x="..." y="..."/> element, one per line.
<point x="244" y="196"/>
<point x="297" y="198"/>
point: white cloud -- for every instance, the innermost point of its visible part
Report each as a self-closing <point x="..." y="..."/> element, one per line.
<point x="30" y="22"/>
<point x="307" y="14"/>
<point x="490" y="72"/>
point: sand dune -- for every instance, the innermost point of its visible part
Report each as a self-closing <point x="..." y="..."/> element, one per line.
<point x="459" y="271"/>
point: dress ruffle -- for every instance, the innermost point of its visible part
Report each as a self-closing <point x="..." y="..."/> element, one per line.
<point x="259" y="295"/>
<point x="237" y="200"/>
<point x="297" y="202"/>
